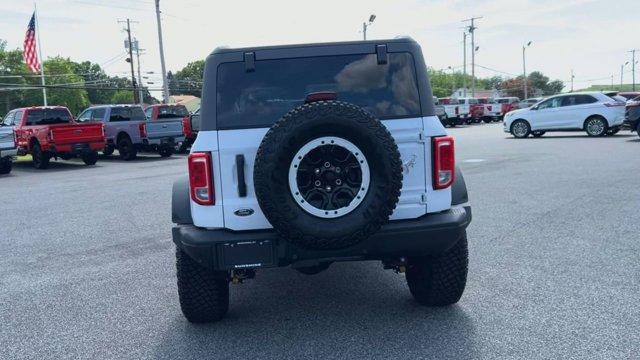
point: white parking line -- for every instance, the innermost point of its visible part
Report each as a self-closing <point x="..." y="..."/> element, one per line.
<point x="473" y="160"/>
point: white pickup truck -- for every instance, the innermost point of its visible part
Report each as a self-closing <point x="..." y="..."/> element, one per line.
<point x="8" y="148"/>
<point x="492" y="110"/>
<point x="452" y="112"/>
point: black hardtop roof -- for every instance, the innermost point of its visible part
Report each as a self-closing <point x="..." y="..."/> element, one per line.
<point x="224" y="50"/>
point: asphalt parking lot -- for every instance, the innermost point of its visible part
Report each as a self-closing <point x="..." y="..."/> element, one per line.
<point x="88" y="267"/>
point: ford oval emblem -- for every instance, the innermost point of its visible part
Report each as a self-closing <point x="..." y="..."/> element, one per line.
<point x="243" y="212"/>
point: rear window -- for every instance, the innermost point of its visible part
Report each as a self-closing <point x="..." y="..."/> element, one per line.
<point x="48" y="116"/>
<point x="167" y="112"/>
<point x="261" y="97"/>
<point x="128" y="113"/>
<point x="473" y="101"/>
<point x="483" y="101"/>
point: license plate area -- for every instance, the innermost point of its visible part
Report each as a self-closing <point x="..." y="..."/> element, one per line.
<point x="246" y="254"/>
<point x="79" y="147"/>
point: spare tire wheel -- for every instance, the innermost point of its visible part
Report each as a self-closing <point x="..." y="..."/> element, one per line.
<point x="327" y="175"/>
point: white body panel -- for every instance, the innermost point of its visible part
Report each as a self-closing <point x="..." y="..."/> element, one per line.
<point x="567" y="117"/>
<point x="411" y="135"/>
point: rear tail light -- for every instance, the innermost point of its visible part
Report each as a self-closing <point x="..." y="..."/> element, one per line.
<point x="186" y="126"/>
<point x="143" y="130"/>
<point x="443" y="162"/>
<point x="200" y="180"/>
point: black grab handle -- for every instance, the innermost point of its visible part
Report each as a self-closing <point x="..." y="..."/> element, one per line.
<point x="242" y="185"/>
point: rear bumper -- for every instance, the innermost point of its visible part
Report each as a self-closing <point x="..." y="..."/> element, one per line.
<point x="75" y="149"/>
<point x="223" y="249"/>
<point x="8" y="152"/>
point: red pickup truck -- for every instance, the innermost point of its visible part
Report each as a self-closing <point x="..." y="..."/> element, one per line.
<point x="50" y="131"/>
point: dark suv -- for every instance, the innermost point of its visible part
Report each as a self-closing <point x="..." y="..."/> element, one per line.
<point x="313" y="154"/>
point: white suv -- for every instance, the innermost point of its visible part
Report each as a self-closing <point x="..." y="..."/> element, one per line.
<point x="309" y="155"/>
<point x="593" y="112"/>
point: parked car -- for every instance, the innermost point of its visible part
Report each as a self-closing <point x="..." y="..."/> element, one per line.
<point x="128" y="130"/>
<point x="632" y="115"/>
<point x="48" y="132"/>
<point x="529" y="102"/>
<point x="8" y="148"/>
<point x="492" y="110"/>
<point x="440" y="111"/>
<point x="452" y="111"/>
<point x="476" y="110"/>
<point x="507" y="104"/>
<point x="615" y="95"/>
<point x="293" y="177"/>
<point x="173" y="112"/>
<point x="464" y="110"/>
<point x="593" y="112"/>
<point x="629" y="95"/>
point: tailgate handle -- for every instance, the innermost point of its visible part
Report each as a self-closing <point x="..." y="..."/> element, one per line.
<point x="242" y="185"/>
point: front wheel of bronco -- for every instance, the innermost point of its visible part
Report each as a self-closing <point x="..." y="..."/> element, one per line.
<point x="203" y="293"/>
<point x="439" y="280"/>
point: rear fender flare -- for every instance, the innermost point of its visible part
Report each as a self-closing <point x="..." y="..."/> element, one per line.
<point x="459" y="193"/>
<point x="181" y="202"/>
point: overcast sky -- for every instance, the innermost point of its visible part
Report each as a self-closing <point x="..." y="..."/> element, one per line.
<point x="591" y="37"/>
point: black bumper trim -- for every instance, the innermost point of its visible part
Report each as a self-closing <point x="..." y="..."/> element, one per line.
<point x="428" y="235"/>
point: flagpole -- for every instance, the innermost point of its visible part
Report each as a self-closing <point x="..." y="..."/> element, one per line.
<point x="44" y="89"/>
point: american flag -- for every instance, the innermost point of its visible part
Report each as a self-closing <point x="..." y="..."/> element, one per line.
<point x="29" y="53"/>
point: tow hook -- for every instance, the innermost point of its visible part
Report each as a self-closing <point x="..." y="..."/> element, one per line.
<point x="397" y="265"/>
<point x="238" y="276"/>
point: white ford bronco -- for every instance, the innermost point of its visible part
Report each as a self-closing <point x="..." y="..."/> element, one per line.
<point x="313" y="154"/>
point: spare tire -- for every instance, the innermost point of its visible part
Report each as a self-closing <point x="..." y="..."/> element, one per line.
<point x="327" y="175"/>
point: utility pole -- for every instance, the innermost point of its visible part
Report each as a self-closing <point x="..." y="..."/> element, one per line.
<point x="140" y="93"/>
<point x="453" y="81"/>
<point x="472" y="30"/>
<point x="165" y="85"/>
<point x="524" y="70"/>
<point x="633" y="68"/>
<point x="130" y="59"/>
<point x="464" y="63"/>
<point x="611" y="81"/>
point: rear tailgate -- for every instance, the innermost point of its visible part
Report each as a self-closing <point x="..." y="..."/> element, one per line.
<point x="73" y="133"/>
<point x="6" y="138"/>
<point x="165" y="128"/>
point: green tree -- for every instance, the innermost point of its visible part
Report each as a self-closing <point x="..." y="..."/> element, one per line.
<point x="71" y="93"/>
<point x="188" y="80"/>
<point x="11" y="65"/>
<point x="122" y="97"/>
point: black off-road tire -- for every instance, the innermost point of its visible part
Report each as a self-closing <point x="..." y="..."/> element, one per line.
<point x="287" y="136"/>
<point x="108" y="150"/>
<point x="165" y="151"/>
<point x="90" y="157"/>
<point x="439" y="280"/>
<point x="5" y="166"/>
<point x="203" y="293"/>
<point x="40" y="158"/>
<point x="126" y="149"/>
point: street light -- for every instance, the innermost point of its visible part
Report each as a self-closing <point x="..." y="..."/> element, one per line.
<point x="365" y="25"/>
<point x="622" y="74"/>
<point x="453" y="80"/>
<point x="524" y="69"/>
